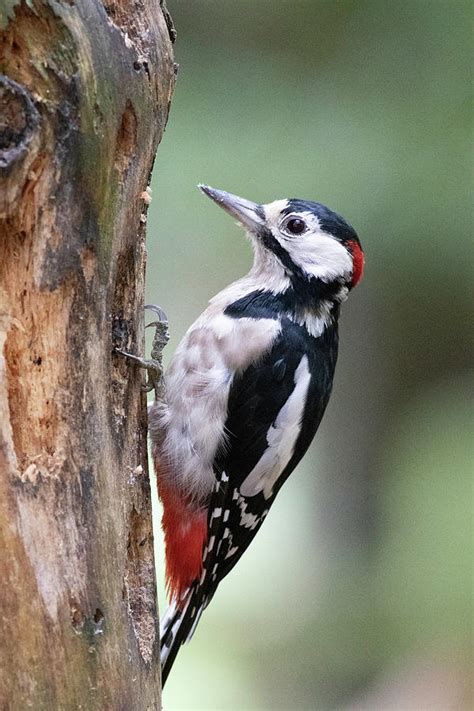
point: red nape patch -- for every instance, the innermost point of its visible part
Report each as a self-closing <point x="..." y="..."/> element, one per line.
<point x="185" y="535"/>
<point x="358" y="261"/>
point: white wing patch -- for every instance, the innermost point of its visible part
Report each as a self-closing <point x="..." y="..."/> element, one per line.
<point x="281" y="438"/>
<point x="247" y="519"/>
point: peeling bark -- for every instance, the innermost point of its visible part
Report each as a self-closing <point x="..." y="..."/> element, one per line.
<point x="85" y="89"/>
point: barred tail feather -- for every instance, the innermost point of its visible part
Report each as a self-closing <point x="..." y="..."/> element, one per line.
<point x="177" y="627"/>
<point x="182" y="616"/>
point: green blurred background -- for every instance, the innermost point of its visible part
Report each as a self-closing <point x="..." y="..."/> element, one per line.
<point x="357" y="593"/>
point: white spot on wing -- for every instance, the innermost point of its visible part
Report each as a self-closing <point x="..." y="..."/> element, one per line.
<point x="247" y="519"/>
<point x="281" y="438"/>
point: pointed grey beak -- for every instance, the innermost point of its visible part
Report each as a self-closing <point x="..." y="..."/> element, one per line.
<point x="249" y="214"/>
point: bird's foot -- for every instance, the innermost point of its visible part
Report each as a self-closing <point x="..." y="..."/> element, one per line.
<point x="153" y="365"/>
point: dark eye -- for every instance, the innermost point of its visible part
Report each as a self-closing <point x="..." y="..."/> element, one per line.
<point x="295" y="226"/>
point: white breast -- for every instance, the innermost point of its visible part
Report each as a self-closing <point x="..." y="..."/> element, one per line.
<point x="188" y="428"/>
<point x="281" y="438"/>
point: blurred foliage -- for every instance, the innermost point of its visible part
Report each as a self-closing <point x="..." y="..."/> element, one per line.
<point x="365" y="563"/>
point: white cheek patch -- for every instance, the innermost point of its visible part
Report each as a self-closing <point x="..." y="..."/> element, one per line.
<point x="281" y="438"/>
<point x="316" y="253"/>
<point x="320" y="255"/>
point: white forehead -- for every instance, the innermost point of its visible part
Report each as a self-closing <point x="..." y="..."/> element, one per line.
<point x="273" y="212"/>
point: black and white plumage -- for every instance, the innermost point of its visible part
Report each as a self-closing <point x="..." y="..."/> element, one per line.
<point x="244" y="395"/>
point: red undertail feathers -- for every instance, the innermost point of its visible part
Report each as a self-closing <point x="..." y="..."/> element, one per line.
<point x="185" y="535"/>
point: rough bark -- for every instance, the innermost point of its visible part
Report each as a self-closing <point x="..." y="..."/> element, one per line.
<point x="84" y="98"/>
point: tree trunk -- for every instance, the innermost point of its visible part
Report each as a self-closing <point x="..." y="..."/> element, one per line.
<point x="84" y="98"/>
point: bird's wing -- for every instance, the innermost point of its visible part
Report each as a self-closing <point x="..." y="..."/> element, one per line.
<point x="275" y="407"/>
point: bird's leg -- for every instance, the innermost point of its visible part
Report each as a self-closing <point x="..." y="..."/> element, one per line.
<point x="153" y="365"/>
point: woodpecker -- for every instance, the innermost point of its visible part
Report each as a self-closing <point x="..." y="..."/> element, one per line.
<point x="244" y="395"/>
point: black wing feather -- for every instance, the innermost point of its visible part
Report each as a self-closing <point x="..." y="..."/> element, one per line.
<point x="256" y="397"/>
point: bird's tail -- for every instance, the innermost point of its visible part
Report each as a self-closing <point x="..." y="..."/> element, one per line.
<point x="177" y="627"/>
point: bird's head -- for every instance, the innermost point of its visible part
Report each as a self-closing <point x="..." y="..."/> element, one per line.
<point x="307" y="240"/>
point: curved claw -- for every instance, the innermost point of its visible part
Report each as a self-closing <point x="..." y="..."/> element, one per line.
<point x="162" y="317"/>
<point x="153" y="365"/>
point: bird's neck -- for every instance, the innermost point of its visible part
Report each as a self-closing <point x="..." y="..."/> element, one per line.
<point x="269" y="291"/>
<point x="301" y="290"/>
<point x="313" y="311"/>
<point x="314" y="306"/>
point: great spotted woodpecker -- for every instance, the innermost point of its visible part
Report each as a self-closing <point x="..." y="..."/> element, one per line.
<point x="244" y="395"/>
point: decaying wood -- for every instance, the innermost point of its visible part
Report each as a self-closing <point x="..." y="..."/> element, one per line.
<point x="84" y="97"/>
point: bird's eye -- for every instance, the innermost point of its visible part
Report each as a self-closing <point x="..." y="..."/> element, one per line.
<point x="295" y="226"/>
